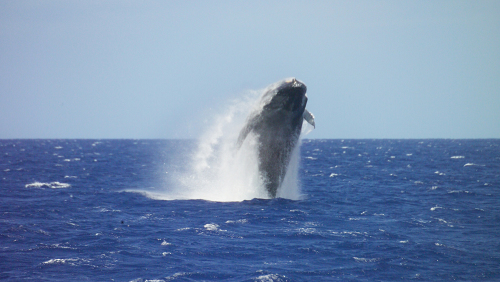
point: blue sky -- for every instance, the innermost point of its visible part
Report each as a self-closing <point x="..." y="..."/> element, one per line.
<point x="159" y="69"/>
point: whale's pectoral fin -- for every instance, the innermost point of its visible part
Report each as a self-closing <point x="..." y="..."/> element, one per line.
<point x="309" y="118"/>
<point x="243" y="134"/>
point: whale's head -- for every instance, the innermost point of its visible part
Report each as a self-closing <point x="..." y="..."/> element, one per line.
<point x="287" y="95"/>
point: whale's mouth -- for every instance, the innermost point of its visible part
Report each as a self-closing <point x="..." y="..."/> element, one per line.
<point x="290" y="96"/>
<point x="293" y="83"/>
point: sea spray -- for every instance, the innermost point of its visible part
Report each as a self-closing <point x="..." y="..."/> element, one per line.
<point x="220" y="171"/>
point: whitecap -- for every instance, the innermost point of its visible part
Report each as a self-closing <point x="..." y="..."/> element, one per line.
<point x="471" y="164"/>
<point x="269" y="278"/>
<point x="444" y="221"/>
<point x="458" y="191"/>
<point x="366" y="259"/>
<point x="237" y="221"/>
<point x="70" y="261"/>
<point x="307" y="230"/>
<point x="352" y="233"/>
<point x="457" y="157"/>
<point x="333" y="175"/>
<point x="213" y="227"/>
<point x="299" y="211"/>
<point x="53" y="185"/>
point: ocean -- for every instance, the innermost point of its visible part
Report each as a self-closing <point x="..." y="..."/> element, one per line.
<point x="352" y="210"/>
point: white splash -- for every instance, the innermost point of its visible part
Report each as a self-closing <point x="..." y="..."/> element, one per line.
<point x="219" y="171"/>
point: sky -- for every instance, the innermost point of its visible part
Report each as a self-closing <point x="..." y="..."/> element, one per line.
<point x="161" y="69"/>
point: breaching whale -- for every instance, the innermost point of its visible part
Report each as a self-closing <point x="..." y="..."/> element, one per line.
<point x="277" y="124"/>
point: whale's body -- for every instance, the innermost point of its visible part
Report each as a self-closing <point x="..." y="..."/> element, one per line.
<point x="277" y="125"/>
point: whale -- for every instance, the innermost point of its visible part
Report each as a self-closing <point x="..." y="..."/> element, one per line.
<point x="276" y="124"/>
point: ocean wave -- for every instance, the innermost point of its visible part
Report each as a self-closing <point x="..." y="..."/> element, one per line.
<point x="472" y="164"/>
<point x="52" y="185"/>
<point x="366" y="259"/>
<point x="237" y="221"/>
<point x="435" y="208"/>
<point x="68" y="261"/>
<point x="270" y="278"/>
<point x="213" y="227"/>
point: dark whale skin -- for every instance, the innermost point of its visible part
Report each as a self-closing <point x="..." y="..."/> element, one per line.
<point x="277" y="126"/>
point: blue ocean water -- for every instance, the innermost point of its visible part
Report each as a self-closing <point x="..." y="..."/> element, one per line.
<point x="370" y="210"/>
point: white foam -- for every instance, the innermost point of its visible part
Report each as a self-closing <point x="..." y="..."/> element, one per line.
<point x="457" y="157"/>
<point x="212" y="227"/>
<point x="307" y="230"/>
<point x="58" y="261"/>
<point x="366" y="259"/>
<point x="53" y="185"/>
<point x="472" y="164"/>
<point x="237" y="221"/>
<point x="269" y="278"/>
<point x="70" y="261"/>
